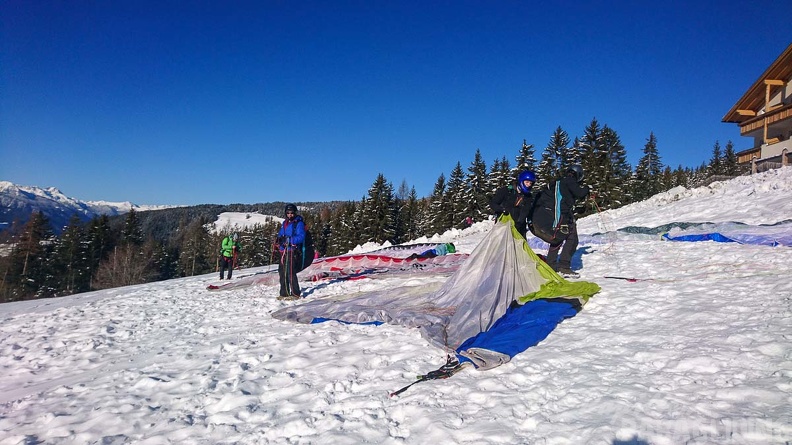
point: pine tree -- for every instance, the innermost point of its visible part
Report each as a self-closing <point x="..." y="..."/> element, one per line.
<point x="323" y="233"/>
<point x="648" y="171"/>
<point x="164" y="260"/>
<point x="132" y="232"/>
<point x="526" y="159"/>
<point x="715" y="166"/>
<point x="477" y="190"/>
<point x="407" y="213"/>
<point x="345" y="229"/>
<point x="667" y="178"/>
<point x="549" y="168"/>
<point x="413" y="215"/>
<point x="681" y="177"/>
<point x="437" y="208"/>
<point x="130" y="262"/>
<point x="71" y="259"/>
<point x="499" y="176"/>
<point x="456" y="197"/>
<point x="399" y="199"/>
<point x="29" y="272"/>
<point x="572" y="155"/>
<point x="593" y="158"/>
<point x="379" y="212"/>
<point x="257" y="244"/>
<point x="100" y="242"/>
<point x="616" y="171"/>
<point x="730" y="166"/>
<point x="199" y="252"/>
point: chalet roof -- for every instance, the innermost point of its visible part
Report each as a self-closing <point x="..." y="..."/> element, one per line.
<point x="754" y="98"/>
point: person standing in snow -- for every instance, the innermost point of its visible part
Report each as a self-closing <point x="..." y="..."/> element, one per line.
<point x="515" y="199"/>
<point x="553" y="219"/>
<point x="290" y="237"/>
<point x="229" y="250"/>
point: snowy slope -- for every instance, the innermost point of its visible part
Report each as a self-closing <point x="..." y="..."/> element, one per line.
<point x="763" y="198"/>
<point x="695" y="351"/>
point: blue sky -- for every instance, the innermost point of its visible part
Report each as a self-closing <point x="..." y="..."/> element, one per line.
<point x="177" y="102"/>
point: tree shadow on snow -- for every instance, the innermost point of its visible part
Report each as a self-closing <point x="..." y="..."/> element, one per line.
<point x="635" y="440"/>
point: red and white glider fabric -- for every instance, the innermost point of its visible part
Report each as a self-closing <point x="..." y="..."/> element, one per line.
<point x="370" y="263"/>
<point x="411" y="258"/>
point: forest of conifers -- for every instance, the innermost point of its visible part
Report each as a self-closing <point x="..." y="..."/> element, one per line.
<point x="140" y="247"/>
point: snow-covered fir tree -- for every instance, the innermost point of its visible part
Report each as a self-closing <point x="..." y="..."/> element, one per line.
<point x="477" y="189"/>
<point x="525" y="160"/>
<point x="457" y="198"/>
<point x="379" y="212"/>
<point x="617" y="171"/>
<point x="647" y="178"/>
<point x="715" y="166"/>
<point x="500" y="175"/>
<point x="730" y="166"/>
<point x="549" y="168"/>
<point x="435" y="219"/>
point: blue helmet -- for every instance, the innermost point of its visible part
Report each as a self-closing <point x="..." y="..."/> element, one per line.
<point x="526" y="175"/>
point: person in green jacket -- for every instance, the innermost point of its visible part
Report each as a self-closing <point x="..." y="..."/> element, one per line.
<point x="228" y="254"/>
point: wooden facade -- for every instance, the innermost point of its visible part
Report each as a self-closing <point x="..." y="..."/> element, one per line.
<point x="764" y="113"/>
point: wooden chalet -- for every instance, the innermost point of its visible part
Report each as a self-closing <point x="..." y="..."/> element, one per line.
<point x="764" y="113"/>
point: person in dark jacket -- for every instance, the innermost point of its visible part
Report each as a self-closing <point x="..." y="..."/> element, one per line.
<point x="290" y="237"/>
<point x="553" y="219"/>
<point x="515" y="199"/>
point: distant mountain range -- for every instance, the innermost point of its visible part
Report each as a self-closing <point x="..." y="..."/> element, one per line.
<point x="18" y="202"/>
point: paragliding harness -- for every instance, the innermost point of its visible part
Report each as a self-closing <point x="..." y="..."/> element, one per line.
<point x="451" y="367"/>
<point x="307" y="251"/>
<point x="554" y="231"/>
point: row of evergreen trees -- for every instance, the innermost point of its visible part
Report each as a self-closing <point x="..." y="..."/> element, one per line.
<point x="100" y="254"/>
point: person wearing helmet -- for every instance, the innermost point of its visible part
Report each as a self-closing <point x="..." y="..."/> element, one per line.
<point x="229" y="249"/>
<point x="290" y="236"/>
<point x="515" y="199"/>
<point x="552" y="218"/>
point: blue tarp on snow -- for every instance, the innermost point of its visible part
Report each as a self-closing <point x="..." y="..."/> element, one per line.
<point x="522" y="327"/>
<point x="717" y="237"/>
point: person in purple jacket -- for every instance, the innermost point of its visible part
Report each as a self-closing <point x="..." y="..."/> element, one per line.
<point x="290" y="240"/>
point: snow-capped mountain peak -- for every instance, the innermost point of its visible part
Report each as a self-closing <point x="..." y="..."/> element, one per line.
<point x="18" y="202"/>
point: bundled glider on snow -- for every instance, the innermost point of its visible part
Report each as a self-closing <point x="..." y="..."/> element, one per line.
<point x="437" y="258"/>
<point x="501" y="300"/>
<point x="779" y="234"/>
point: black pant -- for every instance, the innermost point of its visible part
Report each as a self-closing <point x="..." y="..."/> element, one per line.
<point x="288" y="273"/>
<point x="226" y="262"/>
<point x="568" y="249"/>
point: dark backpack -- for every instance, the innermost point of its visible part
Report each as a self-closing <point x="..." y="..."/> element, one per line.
<point x="548" y="224"/>
<point x="307" y="252"/>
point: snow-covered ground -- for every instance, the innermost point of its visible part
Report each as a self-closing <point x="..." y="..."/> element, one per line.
<point x="231" y="221"/>
<point x="695" y="350"/>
